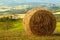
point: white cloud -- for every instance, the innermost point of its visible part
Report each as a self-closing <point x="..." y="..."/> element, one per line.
<point x="21" y="7"/>
<point x="4" y="8"/>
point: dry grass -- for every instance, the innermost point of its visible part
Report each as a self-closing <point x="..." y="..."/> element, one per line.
<point x="21" y="35"/>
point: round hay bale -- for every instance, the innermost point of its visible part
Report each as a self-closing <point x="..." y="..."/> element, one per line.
<point x="39" y="22"/>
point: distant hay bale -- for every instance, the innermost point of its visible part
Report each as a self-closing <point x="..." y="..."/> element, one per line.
<point x="39" y="22"/>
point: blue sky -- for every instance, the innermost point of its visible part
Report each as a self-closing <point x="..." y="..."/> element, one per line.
<point x="25" y="1"/>
<point x="41" y="1"/>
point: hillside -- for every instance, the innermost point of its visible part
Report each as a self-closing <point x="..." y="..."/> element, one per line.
<point x="17" y="16"/>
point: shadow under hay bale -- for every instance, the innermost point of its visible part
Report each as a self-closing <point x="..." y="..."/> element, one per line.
<point x="39" y="22"/>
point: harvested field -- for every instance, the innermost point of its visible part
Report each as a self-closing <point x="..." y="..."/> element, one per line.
<point x="21" y="35"/>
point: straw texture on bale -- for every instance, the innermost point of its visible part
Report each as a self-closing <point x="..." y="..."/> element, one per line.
<point x="39" y="22"/>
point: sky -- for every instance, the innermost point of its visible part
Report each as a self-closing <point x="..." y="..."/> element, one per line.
<point x="42" y="1"/>
<point x="28" y="1"/>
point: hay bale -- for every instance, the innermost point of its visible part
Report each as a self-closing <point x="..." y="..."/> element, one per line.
<point x="39" y="22"/>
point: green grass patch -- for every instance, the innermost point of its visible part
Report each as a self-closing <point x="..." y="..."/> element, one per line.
<point x="57" y="27"/>
<point x="11" y="24"/>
